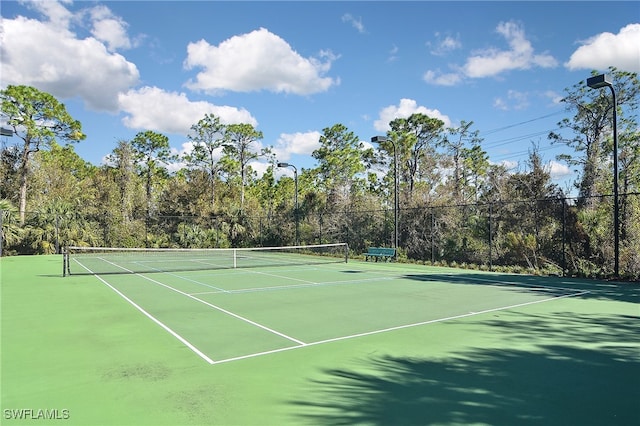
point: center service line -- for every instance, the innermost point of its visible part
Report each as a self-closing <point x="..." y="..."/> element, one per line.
<point x="154" y="319"/>
<point x="247" y="320"/>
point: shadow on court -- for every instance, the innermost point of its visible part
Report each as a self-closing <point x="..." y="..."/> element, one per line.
<point x="593" y="380"/>
<point x="618" y="291"/>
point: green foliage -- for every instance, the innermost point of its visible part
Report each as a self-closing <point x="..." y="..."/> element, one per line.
<point x="457" y="209"/>
<point x="151" y="152"/>
<point x="37" y="119"/>
<point x="590" y="127"/>
<point x="342" y="161"/>
<point x="11" y="231"/>
<point x="416" y="139"/>
<point x="208" y="140"/>
<point x="239" y="140"/>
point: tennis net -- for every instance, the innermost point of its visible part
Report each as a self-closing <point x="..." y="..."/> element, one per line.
<point x="108" y="260"/>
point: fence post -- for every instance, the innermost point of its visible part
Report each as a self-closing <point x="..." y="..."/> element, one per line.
<point x="433" y="243"/>
<point x="57" y="236"/>
<point x="564" y="235"/>
<point x="1" y="231"/>
<point x="490" y="236"/>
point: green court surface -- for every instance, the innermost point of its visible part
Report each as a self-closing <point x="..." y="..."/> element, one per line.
<point x="335" y="344"/>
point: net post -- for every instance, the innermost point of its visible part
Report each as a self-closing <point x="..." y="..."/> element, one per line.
<point x="65" y="261"/>
<point x="346" y="252"/>
<point x="235" y="264"/>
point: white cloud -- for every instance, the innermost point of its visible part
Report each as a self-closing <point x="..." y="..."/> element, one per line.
<point x="48" y="55"/>
<point x="55" y="12"/>
<point x="355" y="23"/>
<point x="109" y="28"/>
<point x="493" y="61"/>
<point x="185" y="149"/>
<point x="509" y="165"/>
<point x="404" y="109"/>
<point x="555" y="97"/>
<point x="620" y="50"/>
<point x="558" y="170"/>
<point x="520" y="56"/>
<point x="393" y="54"/>
<point x="152" y="108"/>
<point x="259" y="60"/>
<point x="515" y="101"/>
<point x="259" y="167"/>
<point x="444" y="44"/>
<point x="435" y="77"/>
<point x="296" y="143"/>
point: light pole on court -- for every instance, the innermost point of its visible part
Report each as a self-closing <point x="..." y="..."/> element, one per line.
<point x="598" y="82"/>
<point x="295" y="179"/>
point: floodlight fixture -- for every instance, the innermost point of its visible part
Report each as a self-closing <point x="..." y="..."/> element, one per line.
<point x="598" y="81"/>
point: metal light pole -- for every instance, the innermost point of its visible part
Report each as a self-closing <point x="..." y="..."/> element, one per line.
<point x="598" y="82"/>
<point x="396" y="204"/>
<point x="295" y="179"/>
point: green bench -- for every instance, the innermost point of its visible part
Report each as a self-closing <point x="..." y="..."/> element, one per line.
<point x="379" y="253"/>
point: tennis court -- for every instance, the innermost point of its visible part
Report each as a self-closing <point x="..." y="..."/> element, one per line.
<point x="223" y="312"/>
<point x="309" y="338"/>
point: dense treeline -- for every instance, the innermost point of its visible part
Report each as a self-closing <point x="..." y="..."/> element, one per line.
<point x="455" y="205"/>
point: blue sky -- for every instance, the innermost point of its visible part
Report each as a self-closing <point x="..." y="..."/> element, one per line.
<point x="294" y="68"/>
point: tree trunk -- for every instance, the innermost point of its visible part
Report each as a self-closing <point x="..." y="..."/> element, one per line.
<point x="24" y="172"/>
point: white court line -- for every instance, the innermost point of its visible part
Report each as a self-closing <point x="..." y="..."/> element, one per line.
<point x="152" y="318"/>
<point x="400" y="327"/>
<point x="295" y="286"/>
<point x="247" y="320"/>
<point x="301" y="344"/>
<point x="283" y="277"/>
<point x="218" y="289"/>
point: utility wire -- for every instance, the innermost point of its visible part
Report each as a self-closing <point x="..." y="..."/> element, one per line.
<point x="542" y="117"/>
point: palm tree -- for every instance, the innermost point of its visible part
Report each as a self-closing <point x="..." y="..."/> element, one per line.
<point x="10" y="232"/>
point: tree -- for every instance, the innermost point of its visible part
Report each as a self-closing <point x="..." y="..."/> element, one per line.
<point x="629" y="157"/>
<point x="9" y="163"/>
<point x="476" y="166"/>
<point x="208" y="140"/>
<point x="342" y="160"/>
<point x="151" y="150"/>
<point x="60" y="175"/>
<point x="123" y="163"/>
<point x="238" y="149"/>
<point x="38" y="119"/>
<point x="10" y="231"/>
<point x="592" y="141"/>
<point x="463" y="148"/>
<point x="416" y="139"/>
<point x="591" y="127"/>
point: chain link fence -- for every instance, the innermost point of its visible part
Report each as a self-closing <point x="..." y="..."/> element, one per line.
<point x="563" y="236"/>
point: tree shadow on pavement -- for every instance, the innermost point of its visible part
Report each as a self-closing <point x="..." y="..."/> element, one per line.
<point x="601" y="290"/>
<point x="592" y="379"/>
